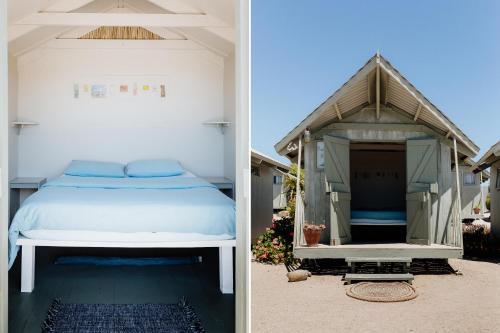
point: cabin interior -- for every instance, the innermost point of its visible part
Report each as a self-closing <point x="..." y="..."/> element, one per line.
<point x="378" y="184"/>
<point x="137" y="82"/>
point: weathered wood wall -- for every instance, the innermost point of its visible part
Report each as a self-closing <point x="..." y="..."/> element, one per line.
<point x="363" y="126"/>
<point x="262" y="201"/>
<point x="470" y="194"/>
<point x="495" y="199"/>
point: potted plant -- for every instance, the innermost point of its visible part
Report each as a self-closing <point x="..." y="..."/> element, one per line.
<point x="312" y="233"/>
<point x="476" y="209"/>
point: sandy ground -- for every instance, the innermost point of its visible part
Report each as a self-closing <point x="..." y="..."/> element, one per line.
<point x="446" y="303"/>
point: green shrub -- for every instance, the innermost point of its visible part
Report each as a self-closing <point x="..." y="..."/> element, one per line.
<point x="488" y="202"/>
<point x="275" y="245"/>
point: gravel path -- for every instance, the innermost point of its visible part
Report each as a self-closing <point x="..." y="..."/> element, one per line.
<point x="446" y="303"/>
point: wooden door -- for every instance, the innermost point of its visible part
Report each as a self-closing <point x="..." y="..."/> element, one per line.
<point x="418" y="217"/>
<point x="339" y="188"/>
<point x="422" y="179"/>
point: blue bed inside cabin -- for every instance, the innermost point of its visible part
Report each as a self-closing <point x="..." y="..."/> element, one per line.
<point x="177" y="208"/>
<point x="378" y="217"/>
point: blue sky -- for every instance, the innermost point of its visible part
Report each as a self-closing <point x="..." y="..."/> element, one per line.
<point x="303" y="50"/>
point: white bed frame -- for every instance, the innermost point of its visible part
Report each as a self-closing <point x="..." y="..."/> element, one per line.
<point x="28" y="246"/>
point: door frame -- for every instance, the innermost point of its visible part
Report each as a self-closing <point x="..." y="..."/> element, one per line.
<point x="4" y="190"/>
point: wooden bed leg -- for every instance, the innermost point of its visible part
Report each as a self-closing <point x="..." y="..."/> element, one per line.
<point x="226" y="269"/>
<point x="27" y="268"/>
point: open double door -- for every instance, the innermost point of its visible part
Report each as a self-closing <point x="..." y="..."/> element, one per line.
<point x="421" y="183"/>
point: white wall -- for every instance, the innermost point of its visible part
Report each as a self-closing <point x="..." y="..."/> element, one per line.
<point x="229" y="115"/>
<point x="120" y="128"/>
<point x="12" y="116"/>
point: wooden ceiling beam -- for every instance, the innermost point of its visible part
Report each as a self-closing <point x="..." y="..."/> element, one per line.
<point x="337" y="110"/>
<point x="377" y="87"/>
<point x="387" y="82"/>
<point x="121" y="20"/>
<point x="369" y="97"/>
<point x="417" y="114"/>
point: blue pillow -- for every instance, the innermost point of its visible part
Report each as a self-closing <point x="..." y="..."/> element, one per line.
<point x="95" y="169"/>
<point x="154" y="168"/>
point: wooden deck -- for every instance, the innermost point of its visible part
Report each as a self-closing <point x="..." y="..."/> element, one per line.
<point x="434" y="251"/>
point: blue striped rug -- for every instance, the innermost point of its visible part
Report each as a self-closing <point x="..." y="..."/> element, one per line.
<point x="121" y="318"/>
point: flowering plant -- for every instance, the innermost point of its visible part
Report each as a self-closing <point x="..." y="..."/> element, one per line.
<point x="275" y="245"/>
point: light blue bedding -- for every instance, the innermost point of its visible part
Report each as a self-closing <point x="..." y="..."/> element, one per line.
<point x="379" y="214"/>
<point x="163" y="204"/>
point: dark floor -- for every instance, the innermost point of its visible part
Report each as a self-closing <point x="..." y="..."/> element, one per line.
<point x="378" y="234"/>
<point x="198" y="283"/>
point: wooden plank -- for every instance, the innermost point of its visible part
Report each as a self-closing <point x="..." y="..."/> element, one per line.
<point x="378" y="259"/>
<point x="339" y="115"/>
<point x="377" y="89"/>
<point x="387" y="83"/>
<point x="413" y="251"/>
<point x="417" y="114"/>
<point x="368" y="90"/>
<point x="121" y="20"/>
<point x="337" y="163"/>
<point x="378" y="277"/>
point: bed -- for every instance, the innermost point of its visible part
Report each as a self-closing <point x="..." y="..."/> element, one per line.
<point x="178" y="211"/>
<point x="378" y="217"/>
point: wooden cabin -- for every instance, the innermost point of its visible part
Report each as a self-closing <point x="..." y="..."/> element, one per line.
<point x="267" y="191"/>
<point x="473" y="189"/>
<point x="378" y="158"/>
<point x="491" y="159"/>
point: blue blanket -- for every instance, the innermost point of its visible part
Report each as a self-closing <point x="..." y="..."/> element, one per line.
<point x="378" y="214"/>
<point x="163" y="204"/>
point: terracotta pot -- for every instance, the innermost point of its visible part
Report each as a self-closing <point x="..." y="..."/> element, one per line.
<point x="312" y="236"/>
<point x="477" y="210"/>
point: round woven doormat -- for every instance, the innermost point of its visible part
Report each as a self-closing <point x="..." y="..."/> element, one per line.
<point x="382" y="291"/>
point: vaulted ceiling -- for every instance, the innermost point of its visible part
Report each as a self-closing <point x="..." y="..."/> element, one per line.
<point x="35" y="22"/>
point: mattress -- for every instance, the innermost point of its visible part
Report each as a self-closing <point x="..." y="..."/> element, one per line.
<point x="378" y="217"/>
<point x="180" y="207"/>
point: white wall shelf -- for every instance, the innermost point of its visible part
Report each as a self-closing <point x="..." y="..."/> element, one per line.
<point x="220" y="124"/>
<point x="20" y="124"/>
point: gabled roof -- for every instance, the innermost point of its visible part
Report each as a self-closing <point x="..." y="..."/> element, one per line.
<point x="490" y="157"/>
<point x="259" y="158"/>
<point x="395" y="91"/>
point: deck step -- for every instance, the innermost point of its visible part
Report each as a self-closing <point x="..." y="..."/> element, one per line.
<point x="378" y="277"/>
<point x="350" y="260"/>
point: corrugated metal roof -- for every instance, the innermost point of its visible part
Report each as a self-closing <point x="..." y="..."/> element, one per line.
<point x="271" y="161"/>
<point x="492" y="155"/>
<point x="400" y="92"/>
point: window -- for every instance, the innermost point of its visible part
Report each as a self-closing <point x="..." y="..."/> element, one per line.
<point x="278" y="180"/>
<point x="469" y="178"/>
<point x="498" y="178"/>
<point x="320" y="155"/>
